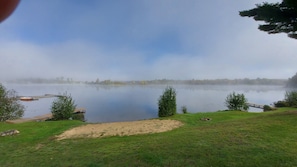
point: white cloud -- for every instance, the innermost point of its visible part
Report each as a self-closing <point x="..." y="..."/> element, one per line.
<point x="121" y="41"/>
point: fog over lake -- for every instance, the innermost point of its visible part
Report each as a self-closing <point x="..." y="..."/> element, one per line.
<point x="128" y="103"/>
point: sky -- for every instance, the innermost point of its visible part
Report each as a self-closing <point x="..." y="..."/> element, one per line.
<point x="141" y="40"/>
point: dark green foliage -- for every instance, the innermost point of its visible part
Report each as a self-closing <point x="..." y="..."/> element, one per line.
<point x="79" y="116"/>
<point x="10" y="107"/>
<point x="268" y="108"/>
<point x="281" y="103"/>
<point x="278" y="17"/>
<point x="63" y="107"/>
<point x="289" y="101"/>
<point x="167" y="103"/>
<point x="184" y="109"/>
<point x="236" y="102"/>
<point x="292" y="82"/>
<point x="291" y="98"/>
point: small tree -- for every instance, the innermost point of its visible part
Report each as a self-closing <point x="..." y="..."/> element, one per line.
<point x="236" y="102"/>
<point x="10" y="107"/>
<point x="63" y="107"/>
<point x="184" y="109"/>
<point x="291" y="98"/>
<point x="167" y="103"/>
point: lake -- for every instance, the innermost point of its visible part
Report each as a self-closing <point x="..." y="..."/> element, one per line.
<point x="127" y="103"/>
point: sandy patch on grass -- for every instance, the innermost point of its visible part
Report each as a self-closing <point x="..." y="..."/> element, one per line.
<point x="120" y="129"/>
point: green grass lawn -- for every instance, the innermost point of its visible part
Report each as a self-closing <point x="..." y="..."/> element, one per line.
<point x="231" y="138"/>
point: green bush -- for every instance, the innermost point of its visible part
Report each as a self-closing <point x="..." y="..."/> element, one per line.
<point x="281" y="104"/>
<point x="291" y="98"/>
<point x="63" y="107"/>
<point x="184" y="109"/>
<point x="10" y="106"/>
<point x="236" y="102"/>
<point x="79" y="116"/>
<point x="268" y="108"/>
<point x="167" y="103"/>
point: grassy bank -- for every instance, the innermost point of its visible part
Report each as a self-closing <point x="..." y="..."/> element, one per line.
<point x="231" y="138"/>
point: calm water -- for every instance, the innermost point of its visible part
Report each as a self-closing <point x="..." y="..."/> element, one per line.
<point x="127" y="103"/>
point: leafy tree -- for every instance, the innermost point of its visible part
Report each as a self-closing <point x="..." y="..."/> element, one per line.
<point x="10" y="107"/>
<point x="63" y="107"/>
<point x="291" y="98"/>
<point x="167" y="103"/>
<point x="292" y="82"/>
<point x="278" y="17"/>
<point x="236" y="102"/>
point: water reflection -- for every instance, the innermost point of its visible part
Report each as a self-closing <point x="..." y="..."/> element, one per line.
<point x="127" y="103"/>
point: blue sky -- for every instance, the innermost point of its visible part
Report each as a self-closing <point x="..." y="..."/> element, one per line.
<point x="141" y="40"/>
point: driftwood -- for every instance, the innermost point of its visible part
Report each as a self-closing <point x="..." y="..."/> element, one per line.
<point x="9" y="133"/>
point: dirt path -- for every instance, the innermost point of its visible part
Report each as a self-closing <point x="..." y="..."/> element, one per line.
<point x="120" y="129"/>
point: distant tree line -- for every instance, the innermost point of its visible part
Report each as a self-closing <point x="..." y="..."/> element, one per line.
<point x="245" y="81"/>
<point x="58" y="80"/>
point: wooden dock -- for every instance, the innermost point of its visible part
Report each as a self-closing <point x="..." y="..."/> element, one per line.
<point x="42" y="117"/>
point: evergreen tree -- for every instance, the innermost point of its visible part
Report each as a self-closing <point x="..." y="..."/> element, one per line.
<point x="278" y="17"/>
<point x="167" y="103"/>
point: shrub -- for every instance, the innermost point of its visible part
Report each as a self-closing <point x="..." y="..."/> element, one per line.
<point x="10" y="106"/>
<point x="268" y="108"/>
<point x="79" y="116"/>
<point x="281" y="104"/>
<point x="236" y="102"/>
<point x="63" y="107"/>
<point x="184" y="109"/>
<point x="167" y="103"/>
<point x="291" y="98"/>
